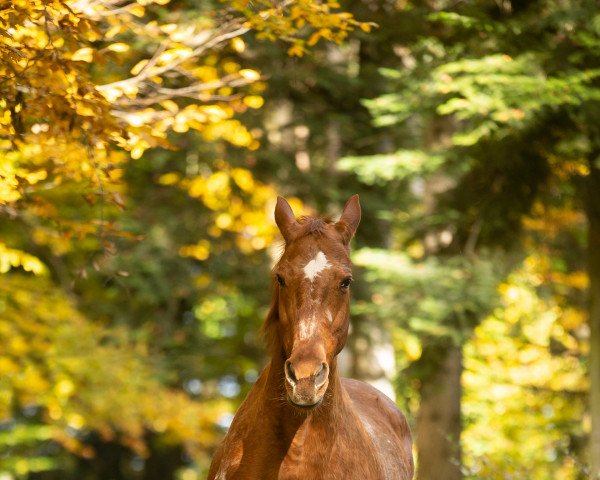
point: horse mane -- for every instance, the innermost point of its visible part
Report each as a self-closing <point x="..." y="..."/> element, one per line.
<point x="270" y="328"/>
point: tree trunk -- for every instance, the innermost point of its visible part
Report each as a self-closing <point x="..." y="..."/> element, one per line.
<point x="439" y="421"/>
<point x="593" y="265"/>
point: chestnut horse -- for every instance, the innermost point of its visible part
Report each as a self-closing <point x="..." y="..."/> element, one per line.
<point x="301" y="420"/>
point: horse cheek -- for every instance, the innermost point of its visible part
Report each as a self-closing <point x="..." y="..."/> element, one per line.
<point x="340" y="331"/>
<point x="341" y="336"/>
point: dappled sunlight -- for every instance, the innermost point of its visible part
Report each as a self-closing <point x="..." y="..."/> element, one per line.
<point x="522" y="365"/>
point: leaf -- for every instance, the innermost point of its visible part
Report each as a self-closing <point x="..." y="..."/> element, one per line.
<point x="85" y="54"/>
<point x="118" y="47"/>
<point x="138" y="67"/>
<point x="12" y="258"/>
<point x="238" y="44"/>
<point x="249" y="74"/>
<point x="296" y="50"/>
<point x="313" y="39"/>
<point x="254" y="101"/>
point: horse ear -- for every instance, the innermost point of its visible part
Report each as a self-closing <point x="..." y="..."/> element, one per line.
<point x="348" y="222"/>
<point x="285" y="219"/>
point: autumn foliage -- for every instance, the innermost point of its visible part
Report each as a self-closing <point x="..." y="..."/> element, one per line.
<point x="142" y="147"/>
<point x="86" y="89"/>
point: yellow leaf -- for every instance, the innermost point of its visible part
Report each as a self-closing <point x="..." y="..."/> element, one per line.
<point x="413" y="347"/>
<point x="181" y="124"/>
<point x="112" y="93"/>
<point x="130" y="90"/>
<point x="170" y="105"/>
<point x="118" y="47"/>
<point x="135" y="120"/>
<point x="34" y="177"/>
<point x="170" y="178"/>
<point x="137" y="152"/>
<point x="238" y="44"/>
<point x="254" y="101"/>
<point x="243" y="179"/>
<point x="83" y="55"/>
<point x="8" y="366"/>
<point x="217" y="182"/>
<point x="215" y="111"/>
<point x="112" y="31"/>
<point x="197" y="187"/>
<point x="84" y="110"/>
<point x="249" y="74"/>
<point x="10" y="258"/>
<point x="223" y="221"/>
<point x="169" y="27"/>
<point x="200" y="251"/>
<point x="230" y="67"/>
<point x="76" y="421"/>
<point x="296" y="50"/>
<point x="173" y="54"/>
<point x="138" y="67"/>
<point x="64" y="388"/>
<point x="137" y="10"/>
<point x="314" y="38"/>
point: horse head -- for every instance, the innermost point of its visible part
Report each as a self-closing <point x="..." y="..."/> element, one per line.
<point x="310" y="315"/>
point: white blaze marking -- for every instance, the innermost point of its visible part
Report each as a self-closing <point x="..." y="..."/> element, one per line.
<point x="312" y="269"/>
<point x="316" y="266"/>
<point x="329" y="316"/>
<point x="307" y="328"/>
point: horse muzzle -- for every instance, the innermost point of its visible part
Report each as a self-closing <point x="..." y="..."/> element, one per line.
<point x="306" y="383"/>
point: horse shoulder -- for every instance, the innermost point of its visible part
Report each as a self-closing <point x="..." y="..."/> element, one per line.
<point x="233" y="450"/>
<point x="229" y="453"/>
<point x="386" y="425"/>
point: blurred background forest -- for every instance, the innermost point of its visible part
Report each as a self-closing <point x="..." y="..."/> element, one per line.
<point x="142" y="147"/>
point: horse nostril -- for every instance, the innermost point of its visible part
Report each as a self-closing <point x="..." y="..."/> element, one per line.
<point x="321" y="375"/>
<point x="289" y="373"/>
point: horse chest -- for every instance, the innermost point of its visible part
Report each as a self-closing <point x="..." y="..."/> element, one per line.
<point x="326" y="458"/>
<point x="299" y="468"/>
<point x="303" y="459"/>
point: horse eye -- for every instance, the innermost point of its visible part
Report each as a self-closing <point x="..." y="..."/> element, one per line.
<point x="345" y="283"/>
<point x="280" y="280"/>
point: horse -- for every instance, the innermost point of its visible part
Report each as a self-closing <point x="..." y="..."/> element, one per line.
<point x="301" y="420"/>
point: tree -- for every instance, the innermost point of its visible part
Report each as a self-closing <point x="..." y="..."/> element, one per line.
<point x="88" y="90"/>
<point x="517" y="85"/>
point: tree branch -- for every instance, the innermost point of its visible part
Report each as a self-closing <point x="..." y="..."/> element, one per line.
<point x="147" y="72"/>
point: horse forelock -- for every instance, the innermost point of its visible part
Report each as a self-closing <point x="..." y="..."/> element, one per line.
<point x="314" y="226"/>
<point x="329" y="234"/>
